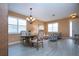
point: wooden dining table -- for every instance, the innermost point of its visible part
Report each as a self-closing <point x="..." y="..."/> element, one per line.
<point x="28" y="39"/>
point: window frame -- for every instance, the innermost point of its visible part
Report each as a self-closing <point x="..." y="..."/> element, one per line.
<point x="22" y="25"/>
<point x="53" y="27"/>
<point x="16" y="25"/>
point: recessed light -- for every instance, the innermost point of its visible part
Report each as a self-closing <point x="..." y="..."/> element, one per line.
<point x="53" y="14"/>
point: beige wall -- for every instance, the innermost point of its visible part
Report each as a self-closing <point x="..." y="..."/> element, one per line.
<point x="34" y="26"/>
<point x="46" y="27"/>
<point x="13" y="38"/>
<point x="11" y="13"/>
<point x="63" y="26"/>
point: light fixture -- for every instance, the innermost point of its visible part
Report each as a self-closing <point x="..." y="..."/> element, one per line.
<point x="30" y="18"/>
<point x="73" y="15"/>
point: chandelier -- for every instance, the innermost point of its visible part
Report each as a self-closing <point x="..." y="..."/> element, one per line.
<point x="30" y="18"/>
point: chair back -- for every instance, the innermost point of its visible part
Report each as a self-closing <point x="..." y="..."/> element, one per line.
<point x="23" y="33"/>
<point x="40" y="35"/>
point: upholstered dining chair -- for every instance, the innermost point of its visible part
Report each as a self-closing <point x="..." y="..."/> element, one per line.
<point x="38" y="40"/>
<point x="22" y="35"/>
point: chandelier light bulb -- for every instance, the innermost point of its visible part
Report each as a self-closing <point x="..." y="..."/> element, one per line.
<point x="28" y="19"/>
<point x="33" y="19"/>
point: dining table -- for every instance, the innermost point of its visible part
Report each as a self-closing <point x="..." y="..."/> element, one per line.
<point x="28" y="39"/>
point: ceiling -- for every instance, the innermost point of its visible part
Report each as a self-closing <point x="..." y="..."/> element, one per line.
<point x="45" y="11"/>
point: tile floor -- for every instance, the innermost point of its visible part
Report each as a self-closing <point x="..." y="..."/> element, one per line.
<point x="63" y="47"/>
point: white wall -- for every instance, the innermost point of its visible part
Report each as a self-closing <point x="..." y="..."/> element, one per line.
<point x="75" y="27"/>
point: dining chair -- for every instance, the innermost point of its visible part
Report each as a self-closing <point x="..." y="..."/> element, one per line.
<point x="23" y="35"/>
<point x="38" y="40"/>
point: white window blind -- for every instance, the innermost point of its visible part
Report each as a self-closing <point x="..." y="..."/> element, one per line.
<point x="16" y="25"/>
<point x="53" y="27"/>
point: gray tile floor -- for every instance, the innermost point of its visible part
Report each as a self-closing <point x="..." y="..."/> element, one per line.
<point x="63" y="47"/>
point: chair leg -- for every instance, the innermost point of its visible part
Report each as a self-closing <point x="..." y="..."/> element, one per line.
<point x="42" y="45"/>
<point x="24" y="42"/>
<point x="37" y="46"/>
<point x="32" y="44"/>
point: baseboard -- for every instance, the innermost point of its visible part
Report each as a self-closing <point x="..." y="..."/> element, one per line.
<point x="12" y="43"/>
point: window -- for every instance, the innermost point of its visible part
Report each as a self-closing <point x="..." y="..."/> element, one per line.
<point x="21" y="25"/>
<point x="12" y="25"/>
<point x="53" y="27"/>
<point x="16" y="25"/>
<point x="49" y="27"/>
